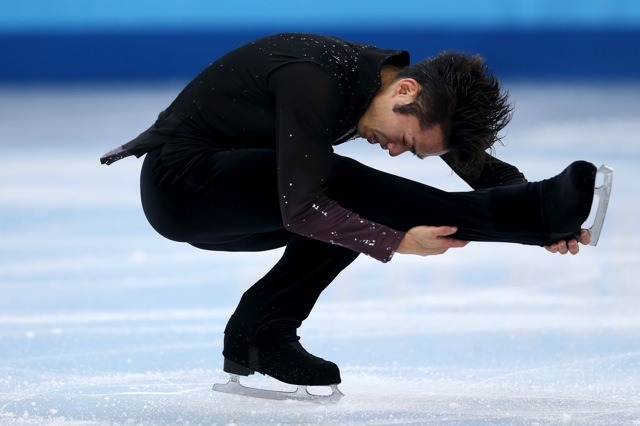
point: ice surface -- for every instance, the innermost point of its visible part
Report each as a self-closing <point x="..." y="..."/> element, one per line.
<point x="103" y="321"/>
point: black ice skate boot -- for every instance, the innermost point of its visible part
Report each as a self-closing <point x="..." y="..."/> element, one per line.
<point x="567" y="200"/>
<point x="286" y="361"/>
<point x="545" y="212"/>
<point x="278" y="354"/>
<point x="238" y="335"/>
<point x="236" y="355"/>
<point x="289" y="362"/>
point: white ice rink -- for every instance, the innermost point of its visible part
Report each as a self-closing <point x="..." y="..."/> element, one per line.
<point x="102" y="321"/>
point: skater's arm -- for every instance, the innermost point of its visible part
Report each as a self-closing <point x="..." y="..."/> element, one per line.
<point x="308" y="104"/>
<point x="494" y="173"/>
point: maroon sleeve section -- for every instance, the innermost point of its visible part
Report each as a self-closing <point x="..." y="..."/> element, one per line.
<point x="328" y="221"/>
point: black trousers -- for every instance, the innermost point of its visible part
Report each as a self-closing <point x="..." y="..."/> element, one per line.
<point x="228" y="201"/>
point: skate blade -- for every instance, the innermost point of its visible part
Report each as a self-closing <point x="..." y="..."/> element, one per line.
<point x="234" y="387"/>
<point x="604" y="193"/>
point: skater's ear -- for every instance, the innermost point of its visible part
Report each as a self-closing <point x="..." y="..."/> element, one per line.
<point x="405" y="90"/>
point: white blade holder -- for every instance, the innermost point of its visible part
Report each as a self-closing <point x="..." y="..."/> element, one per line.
<point x="604" y="193"/>
<point x="300" y="394"/>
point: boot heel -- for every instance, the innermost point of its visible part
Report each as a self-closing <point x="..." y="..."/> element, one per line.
<point x="232" y="367"/>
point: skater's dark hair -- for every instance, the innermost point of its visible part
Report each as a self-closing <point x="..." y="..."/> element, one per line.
<point x="460" y="93"/>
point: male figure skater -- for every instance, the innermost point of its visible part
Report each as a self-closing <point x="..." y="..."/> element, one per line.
<point x="242" y="160"/>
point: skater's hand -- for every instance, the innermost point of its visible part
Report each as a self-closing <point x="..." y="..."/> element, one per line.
<point x="429" y="240"/>
<point x="571" y="246"/>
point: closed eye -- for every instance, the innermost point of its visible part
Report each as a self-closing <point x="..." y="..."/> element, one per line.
<point x="412" y="147"/>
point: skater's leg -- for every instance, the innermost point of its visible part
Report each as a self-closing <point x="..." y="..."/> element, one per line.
<point x="264" y="325"/>
<point x="535" y="213"/>
<point x="224" y="201"/>
<point x="228" y="201"/>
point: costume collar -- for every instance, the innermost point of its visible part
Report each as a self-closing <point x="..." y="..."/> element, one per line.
<point x="371" y="60"/>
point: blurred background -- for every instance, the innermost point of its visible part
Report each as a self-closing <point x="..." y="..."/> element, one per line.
<point x="103" y="320"/>
<point x="107" y="40"/>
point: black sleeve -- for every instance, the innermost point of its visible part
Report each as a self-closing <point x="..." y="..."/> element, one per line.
<point x="494" y="173"/>
<point x="308" y="102"/>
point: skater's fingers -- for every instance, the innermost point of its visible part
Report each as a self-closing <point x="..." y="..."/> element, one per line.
<point x="557" y="247"/>
<point x="451" y="242"/>
<point x="445" y="242"/>
<point x="564" y="247"/>
<point x="585" y="237"/>
<point x="442" y="231"/>
<point x="574" y="247"/>
<point x="429" y="240"/>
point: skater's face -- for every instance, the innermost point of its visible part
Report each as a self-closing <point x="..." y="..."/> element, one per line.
<point x="399" y="133"/>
